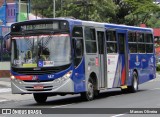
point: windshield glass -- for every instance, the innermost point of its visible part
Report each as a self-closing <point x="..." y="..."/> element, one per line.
<point x="41" y="51"/>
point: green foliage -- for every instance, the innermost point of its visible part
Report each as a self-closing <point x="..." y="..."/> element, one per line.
<point x="131" y="12"/>
<point x="158" y="67"/>
<point x="140" y="11"/>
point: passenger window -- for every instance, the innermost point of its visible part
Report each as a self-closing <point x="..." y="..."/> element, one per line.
<point x="79" y="48"/>
<point x="77" y="32"/>
<point x="149" y="43"/>
<point x="111" y="36"/>
<point x="140" y="37"/>
<point x="149" y="48"/>
<point x="90" y="40"/>
<point x="133" y="47"/>
<point x="111" y="41"/>
<point x="149" y="38"/>
<point x="132" y="42"/>
<point x="111" y="47"/>
<point x="132" y="37"/>
<point x="141" y="48"/>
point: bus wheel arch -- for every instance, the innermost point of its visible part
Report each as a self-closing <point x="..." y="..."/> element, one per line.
<point x="92" y="88"/>
<point x="93" y="76"/>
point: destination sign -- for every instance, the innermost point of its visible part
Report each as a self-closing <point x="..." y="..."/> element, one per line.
<point x="40" y="25"/>
<point x="54" y="25"/>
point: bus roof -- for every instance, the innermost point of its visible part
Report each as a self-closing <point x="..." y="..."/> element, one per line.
<point x="92" y="23"/>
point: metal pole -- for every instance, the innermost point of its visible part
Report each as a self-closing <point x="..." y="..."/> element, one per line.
<point x="27" y="9"/>
<point x="19" y="10"/>
<point x="54" y="13"/>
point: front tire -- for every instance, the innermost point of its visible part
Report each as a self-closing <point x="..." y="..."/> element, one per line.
<point x="40" y="97"/>
<point x="89" y="94"/>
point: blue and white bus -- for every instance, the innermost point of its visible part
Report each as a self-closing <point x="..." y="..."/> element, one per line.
<point x="68" y="56"/>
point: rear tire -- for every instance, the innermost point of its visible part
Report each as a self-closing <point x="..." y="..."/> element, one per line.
<point x="134" y="87"/>
<point x="40" y="97"/>
<point x="89" y="94"/>
<point x="96" y="93"/>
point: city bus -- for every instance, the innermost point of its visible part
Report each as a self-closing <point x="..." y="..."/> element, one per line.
<point x="60" y="56"/>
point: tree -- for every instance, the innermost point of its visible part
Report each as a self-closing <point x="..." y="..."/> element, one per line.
<point x="137" y="12"/>
<point x="130" y="12"/>
<point x="102" y="10"/>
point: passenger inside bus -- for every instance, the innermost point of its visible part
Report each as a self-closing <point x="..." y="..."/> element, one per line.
<point x="43" y="53"/>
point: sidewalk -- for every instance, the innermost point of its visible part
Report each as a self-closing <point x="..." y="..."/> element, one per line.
<point x="5" y="82"/>
<point x="6" y="94"/>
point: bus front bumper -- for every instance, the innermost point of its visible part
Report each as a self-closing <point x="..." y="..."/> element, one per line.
<point x="21" y="87"/>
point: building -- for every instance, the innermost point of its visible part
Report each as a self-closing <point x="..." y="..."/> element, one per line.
<point x="10" y="11"/>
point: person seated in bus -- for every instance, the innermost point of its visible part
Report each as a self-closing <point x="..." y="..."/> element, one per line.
<point x="110" y="49"/>
<point x="43" y="53"/>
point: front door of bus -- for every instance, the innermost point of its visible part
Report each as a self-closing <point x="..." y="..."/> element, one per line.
<point x="101" y="58"/>
<point x="123" y="56"/>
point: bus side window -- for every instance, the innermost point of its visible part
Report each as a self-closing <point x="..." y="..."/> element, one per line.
<point x="149" y="43"/>
<point x="132" y="42"/>
<point x="90" y="40"/>
<point x="141" y="42"/>
<point x="79" y="48"/>
<point x="111" y="41"/>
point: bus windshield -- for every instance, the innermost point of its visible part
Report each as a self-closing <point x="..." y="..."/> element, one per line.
<point x="41" y="51"/>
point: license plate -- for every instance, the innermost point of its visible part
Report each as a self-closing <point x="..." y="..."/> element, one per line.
<point x="38" y="87"/>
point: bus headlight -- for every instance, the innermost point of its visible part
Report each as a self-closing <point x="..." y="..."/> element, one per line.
<point x="67" y="76"/>
<point x="16" y="80"/>
<point x="64" y="78"/>
<point x="12" y="77"/>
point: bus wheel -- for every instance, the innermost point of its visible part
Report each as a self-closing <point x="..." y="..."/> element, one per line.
<point x="40" y="97"/>
<point x="134" y="87"/>
<point x="89" y="94"/>
<point x="96" y="93"/>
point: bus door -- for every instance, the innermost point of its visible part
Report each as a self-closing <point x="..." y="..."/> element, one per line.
<point x="123" y="56"/>
<point x="101" y="58"/>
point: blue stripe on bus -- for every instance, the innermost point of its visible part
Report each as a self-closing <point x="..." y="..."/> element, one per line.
<point x="128" y="28"/>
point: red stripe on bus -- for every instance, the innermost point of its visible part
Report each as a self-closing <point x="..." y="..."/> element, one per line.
<point x="123" y="77"/>
<point x="24" y="77"/>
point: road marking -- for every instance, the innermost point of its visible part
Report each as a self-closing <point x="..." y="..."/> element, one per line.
<point x="3" y="100"/>
<point x="3" y="90"/>
<point x="154" y="89"/>
<point x="118" y="115"/>
<point x="61" y="106"/>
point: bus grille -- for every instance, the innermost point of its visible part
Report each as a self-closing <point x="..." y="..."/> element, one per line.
<point x="39" y="71"/>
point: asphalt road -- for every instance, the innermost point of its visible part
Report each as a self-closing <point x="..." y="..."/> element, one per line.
<point x="148" y="96"/>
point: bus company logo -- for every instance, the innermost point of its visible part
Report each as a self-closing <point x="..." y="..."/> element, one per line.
<point x="35" y="78"/>
<point x="50" y="76"/>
